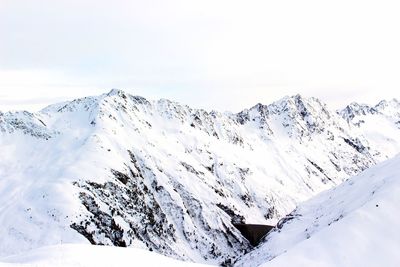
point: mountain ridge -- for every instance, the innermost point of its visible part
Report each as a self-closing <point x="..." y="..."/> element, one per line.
<point x="120" y="170"/>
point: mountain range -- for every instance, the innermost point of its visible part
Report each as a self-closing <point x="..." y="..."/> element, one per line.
<point x="121" y="170"/>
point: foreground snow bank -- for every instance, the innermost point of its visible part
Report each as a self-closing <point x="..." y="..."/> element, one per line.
<point x="88" y="256"/>
<point x="354" y="224"/>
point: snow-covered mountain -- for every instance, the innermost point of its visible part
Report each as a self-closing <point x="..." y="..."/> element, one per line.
<point x="120" y="170"/>
<point x="379" y="124"/>
<point x="354" y="224"/>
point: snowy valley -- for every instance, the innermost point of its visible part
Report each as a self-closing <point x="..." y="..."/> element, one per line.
<point x="119" y="170"/>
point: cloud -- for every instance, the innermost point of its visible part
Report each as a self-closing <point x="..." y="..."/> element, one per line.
<point x="213" y="54"/>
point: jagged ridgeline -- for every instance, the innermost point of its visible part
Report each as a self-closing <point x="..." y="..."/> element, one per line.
<point x="120" y="170"/>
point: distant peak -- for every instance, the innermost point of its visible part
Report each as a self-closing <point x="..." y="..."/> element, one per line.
<point x="258" y="106"/>
<point x="297" y="97"/>
<point x="118" y="92"/>
<point x="356" y="109"/>
<point x="392" y="102"/>
<point x="299" y="102"/>
<point x="294" y="97"/>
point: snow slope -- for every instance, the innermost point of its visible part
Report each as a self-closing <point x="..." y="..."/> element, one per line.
<point x="120" y="170"/>
<point x="354" y="224"/>
<point x="77" y="255"/>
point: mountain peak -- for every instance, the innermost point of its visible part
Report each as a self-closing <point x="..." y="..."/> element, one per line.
<point x="385" y="107"/>
<point x="297" y="104"/>
<point x="392" y="103"/>
<point x="116" y="91"/>
<point x="389" y="107"/>
<point x="355" y="109"/>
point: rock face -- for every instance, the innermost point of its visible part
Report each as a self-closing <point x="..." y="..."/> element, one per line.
<point x="120" y="170"/>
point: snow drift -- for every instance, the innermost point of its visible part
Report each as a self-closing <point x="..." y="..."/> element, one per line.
<point x="78" y="255"/>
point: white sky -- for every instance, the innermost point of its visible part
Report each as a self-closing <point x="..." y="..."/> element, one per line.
<point x="215" y="54"/>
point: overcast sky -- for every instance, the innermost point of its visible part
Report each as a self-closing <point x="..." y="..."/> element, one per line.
<point x="214" y="54"/>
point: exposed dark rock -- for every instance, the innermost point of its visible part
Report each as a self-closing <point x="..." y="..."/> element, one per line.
<point x="235" y="217"/>
<point x="254" y="232"/>
<point x="356" y="144"/>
